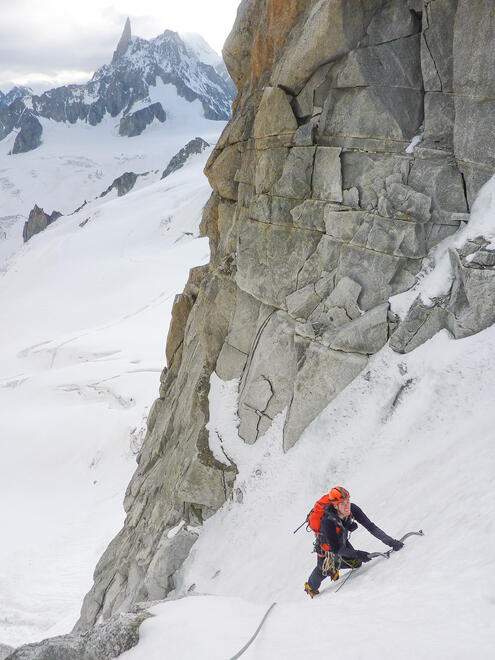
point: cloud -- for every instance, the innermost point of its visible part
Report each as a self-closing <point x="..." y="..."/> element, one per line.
<point x="42" y="39"/>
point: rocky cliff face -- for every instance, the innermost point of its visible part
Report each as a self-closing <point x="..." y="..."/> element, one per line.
<point x="319" y="213"/>
<point x="123" y="86"/>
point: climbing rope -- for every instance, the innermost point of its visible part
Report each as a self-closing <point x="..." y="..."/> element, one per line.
<point x="246" y="646"/>
<point x="331" y="565"/>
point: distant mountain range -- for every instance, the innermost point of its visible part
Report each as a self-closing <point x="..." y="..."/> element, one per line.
<point x="13" y="94"/>
<point x="131" y="86"/>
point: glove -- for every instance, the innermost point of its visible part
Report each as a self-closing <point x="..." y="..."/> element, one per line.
<point x="396" y="545"/>
<point x="363" y="556"/>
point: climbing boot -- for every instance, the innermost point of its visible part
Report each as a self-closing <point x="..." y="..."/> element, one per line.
<point x="311" y="592"/>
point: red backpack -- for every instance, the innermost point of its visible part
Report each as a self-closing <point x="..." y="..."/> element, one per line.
<point x="316" y="514"/>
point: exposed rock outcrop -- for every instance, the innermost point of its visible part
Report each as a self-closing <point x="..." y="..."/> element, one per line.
<point x="37" y="221"/>
<point x="469" y="307"/>
<point x="135" y="123"/>
<point x="195" y="146"/>
<point x="318" y="215"/>
<point x="124" y="42"/>
<point x="123" y="184"/>
<point x="29" y="135"/>
<point x="103" y="642"/>
<point x="16" y="92"/>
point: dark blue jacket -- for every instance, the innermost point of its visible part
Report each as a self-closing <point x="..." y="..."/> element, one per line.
<point x="335" y="531"/>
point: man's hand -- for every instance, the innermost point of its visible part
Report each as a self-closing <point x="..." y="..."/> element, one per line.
<point x="363" y="556"/>
<point x="396" y="545"/>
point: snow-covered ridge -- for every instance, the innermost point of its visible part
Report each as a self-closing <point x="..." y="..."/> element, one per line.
<point x="168" y="54"/>
<point x="6" y="98"/>
<point x="199" y="47"/>
<point x="115" y="88"/>
<point x="77" y="162"/>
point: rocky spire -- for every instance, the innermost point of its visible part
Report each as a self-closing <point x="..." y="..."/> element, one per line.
<point x="124" y="42"/>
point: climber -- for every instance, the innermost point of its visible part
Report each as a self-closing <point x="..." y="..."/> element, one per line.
<point x="332" y="519"/>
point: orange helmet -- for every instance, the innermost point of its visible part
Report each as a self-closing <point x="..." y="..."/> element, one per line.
<point x="338" y="494"/>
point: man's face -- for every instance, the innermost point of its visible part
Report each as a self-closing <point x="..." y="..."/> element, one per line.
<point x="343" y="508"/>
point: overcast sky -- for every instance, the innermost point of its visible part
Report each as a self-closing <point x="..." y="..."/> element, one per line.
<point x="53" y="42"/>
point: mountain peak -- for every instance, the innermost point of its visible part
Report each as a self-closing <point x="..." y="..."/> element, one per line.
<point x="124" y="41"/>
<point x="198" y="45"/>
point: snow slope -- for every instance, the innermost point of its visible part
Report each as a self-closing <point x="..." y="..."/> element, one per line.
<point x="411" y="438"/>
<point x="84" y="311"/>
<point x="426" y="461"/>
<point x="77" y="162"/>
